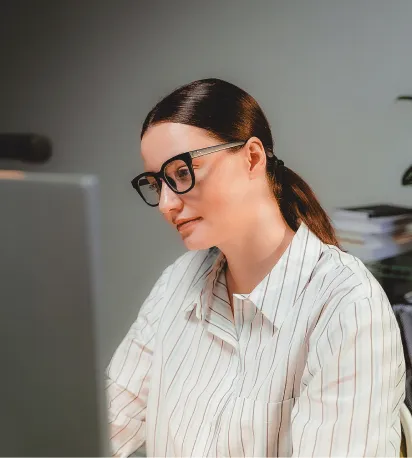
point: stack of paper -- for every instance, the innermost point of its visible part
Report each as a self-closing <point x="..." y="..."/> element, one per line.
<point x="374" y="232"/>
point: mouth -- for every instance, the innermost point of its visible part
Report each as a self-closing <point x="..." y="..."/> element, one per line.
<point x="188" y="223"/>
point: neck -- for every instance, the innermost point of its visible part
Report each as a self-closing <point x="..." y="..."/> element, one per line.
<point x="255" y="251"/>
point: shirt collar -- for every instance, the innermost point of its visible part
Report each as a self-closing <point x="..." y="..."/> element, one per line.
<point x="201" y="290"/>
<point x="276" y="294"/>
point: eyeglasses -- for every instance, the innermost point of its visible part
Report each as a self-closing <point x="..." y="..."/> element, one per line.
<point x="177" y="172"/>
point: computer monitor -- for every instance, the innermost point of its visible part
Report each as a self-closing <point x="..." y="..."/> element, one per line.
<point x="51" y="371"/>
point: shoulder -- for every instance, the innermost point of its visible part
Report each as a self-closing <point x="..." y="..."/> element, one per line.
<point x="340" y="281"/>
<point x="339" y="271"/>
<point x="349" y="299"/>
<point x="352" y="268"/>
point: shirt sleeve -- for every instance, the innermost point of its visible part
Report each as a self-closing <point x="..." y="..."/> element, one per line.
<point x="355" y="387"/>
<point x="128" y="375"/>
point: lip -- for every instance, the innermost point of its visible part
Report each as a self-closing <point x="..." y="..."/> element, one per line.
<point x="186" y="223"/>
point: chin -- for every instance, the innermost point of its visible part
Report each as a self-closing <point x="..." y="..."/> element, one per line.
<point x="194" y="243"/>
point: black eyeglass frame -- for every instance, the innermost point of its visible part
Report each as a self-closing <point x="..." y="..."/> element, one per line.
<point x="187" y="159"/>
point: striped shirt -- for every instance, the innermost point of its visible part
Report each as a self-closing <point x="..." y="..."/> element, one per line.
<point x="309" y="364"/>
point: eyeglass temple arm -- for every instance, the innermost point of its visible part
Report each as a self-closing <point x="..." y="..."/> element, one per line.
<point x="214" y="149"/>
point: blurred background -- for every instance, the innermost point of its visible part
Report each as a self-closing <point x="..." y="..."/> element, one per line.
<point x="326" y="73"/>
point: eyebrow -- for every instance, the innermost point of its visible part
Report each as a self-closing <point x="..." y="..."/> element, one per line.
<point x="161" y="165"/>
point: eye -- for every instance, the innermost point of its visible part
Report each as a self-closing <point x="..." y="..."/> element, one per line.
<point x="182" y="173"/>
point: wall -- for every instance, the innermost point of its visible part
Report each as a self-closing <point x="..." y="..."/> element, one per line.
<point x="325" y="71"/>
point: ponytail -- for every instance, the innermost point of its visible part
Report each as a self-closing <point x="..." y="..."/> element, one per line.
<point x="298" y="202"/>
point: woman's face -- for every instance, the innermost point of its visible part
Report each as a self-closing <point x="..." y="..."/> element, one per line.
<point x="223" y="195"/>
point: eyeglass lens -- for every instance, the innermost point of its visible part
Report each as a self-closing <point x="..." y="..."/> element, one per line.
<point x="178" y="177"/>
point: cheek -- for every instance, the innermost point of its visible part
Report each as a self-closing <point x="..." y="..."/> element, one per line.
<point x="222" y="196"/>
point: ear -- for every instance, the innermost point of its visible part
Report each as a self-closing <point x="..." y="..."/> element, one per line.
<point x="255" y="156"/>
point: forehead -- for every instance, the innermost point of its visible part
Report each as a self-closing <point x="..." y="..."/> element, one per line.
<point x="165" y="140"/>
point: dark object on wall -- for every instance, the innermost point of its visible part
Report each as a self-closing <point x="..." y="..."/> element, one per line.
<point x="407" y="177"/>
<point x="404" y="97"/>
<point x="25" y="147"/>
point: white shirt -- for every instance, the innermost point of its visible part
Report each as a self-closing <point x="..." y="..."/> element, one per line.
<point x="309" y="364"/>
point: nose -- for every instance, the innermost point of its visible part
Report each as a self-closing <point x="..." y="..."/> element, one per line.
<point x="168" y="200"/>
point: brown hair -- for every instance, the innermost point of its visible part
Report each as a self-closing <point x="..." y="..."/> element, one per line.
<point x="230" y="114"/>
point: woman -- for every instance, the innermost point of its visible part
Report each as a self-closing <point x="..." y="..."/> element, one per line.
<point x="264" y="339"/>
